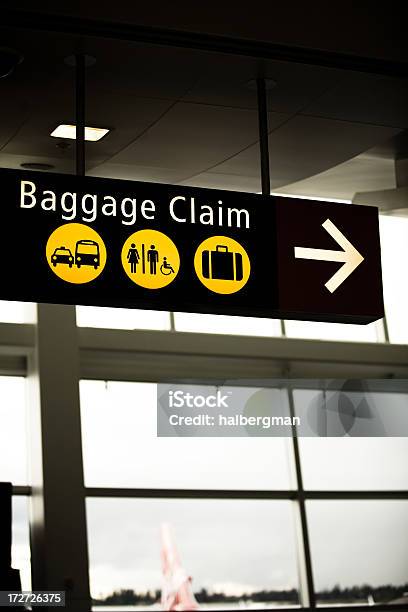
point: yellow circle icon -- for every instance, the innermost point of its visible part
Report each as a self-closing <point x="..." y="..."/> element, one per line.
<point x="76" y="253"/>
<point x="150" y="259"/>
<point x="222" y="264"/>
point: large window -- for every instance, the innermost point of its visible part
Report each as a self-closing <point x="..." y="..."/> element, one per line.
<point x="343" y="464"/>
<point x="12" y="312"/>
<point x="20" y="552"/>
<point x="122" y="318"/>
<point x="13" y="444"/>
<point x="237" y="499"/>
<point x="359" y="550"/>
<point x="214" y="324"/>
<point x="13" y="467"/>
<point x="335" y="331"/>
<point x="121" y="448"/>
<point x="394" y="249"/>
<point x="230" y="548"/>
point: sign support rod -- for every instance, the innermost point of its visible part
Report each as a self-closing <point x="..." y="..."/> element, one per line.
<point x="263" y="136"/>
<point x="264" y="149"/>
<point x="80" y="113"/>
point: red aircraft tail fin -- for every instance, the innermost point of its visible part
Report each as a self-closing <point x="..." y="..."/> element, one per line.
<point x="177" y="593"/>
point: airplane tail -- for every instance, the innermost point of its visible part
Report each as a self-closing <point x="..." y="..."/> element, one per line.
<point x="177" y="592"/>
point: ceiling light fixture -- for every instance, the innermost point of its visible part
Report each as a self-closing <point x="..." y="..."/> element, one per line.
<point x="92" y="134"/>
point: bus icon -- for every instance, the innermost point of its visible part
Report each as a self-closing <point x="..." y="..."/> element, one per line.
<point x="87" y="253"/>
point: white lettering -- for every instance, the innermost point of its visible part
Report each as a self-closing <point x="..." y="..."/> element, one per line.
<point x="192" y="210"/>
<point x="52" y="199"/>
<point x="129" y="215"/>
<point x="207" y="212"/>
<point x="87" y="207"/>
<point x="172" y="213"/>
<point x="109" y="206"/>
<point x="27" y="194"/>
<point x="69" y="209"/>
<point x="180" y="399"/>
<point x="237" y="213"/>
<point x="89" y="215"/>
<point x="148" y="206"/>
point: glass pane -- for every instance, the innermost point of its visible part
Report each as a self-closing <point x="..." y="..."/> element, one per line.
<point x="333" y="331"/>
<point x="13" y="447"/>
<point x="228" y="547"/>
<point x="220" y="324"/>
<point x="359" y="550"/>
<point x="354" y="463"/>
<point x="20" y="550"/>
<point x="12" y="312"/>
<point x="345" y="463"/>
<point x="121" y="448"/>
<point x="394" y="248"/>
<point x="122" y="318"/>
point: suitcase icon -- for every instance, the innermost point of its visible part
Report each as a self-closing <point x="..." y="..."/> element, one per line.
<point x="222" y="264"/>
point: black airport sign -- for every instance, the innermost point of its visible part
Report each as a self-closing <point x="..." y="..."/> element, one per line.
<point x="104" y="242"/>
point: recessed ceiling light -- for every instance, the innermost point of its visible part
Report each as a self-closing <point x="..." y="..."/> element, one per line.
<point x="92" y="134"/>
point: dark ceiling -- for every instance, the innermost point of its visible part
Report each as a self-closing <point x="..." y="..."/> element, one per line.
<point x="371" y="29"/>
<point x="187" y="116"/>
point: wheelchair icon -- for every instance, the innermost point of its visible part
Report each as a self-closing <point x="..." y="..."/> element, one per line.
<point x="166" y="268"/>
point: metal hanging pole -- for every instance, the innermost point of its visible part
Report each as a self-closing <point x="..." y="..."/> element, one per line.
<point x="80" y="113"/>
<point x="264" y="148"/>
<point x="263" y="136"/>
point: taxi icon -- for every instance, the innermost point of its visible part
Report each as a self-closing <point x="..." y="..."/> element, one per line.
<point x="62" y="255"/>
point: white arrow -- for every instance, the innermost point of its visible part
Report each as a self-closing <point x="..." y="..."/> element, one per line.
<point x="349" y="255"/>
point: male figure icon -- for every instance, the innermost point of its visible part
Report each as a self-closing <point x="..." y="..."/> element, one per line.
<point x="153" y="258"/>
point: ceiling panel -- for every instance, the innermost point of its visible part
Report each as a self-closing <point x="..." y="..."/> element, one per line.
<point x="29" y="87"/>
<point x="366" y="98"/>
<point x="194" y="137"/>
<point x="295" y="86"/>
<point x="136" y="172"/>
<point x="306" y="146"/>
<point x="154" y="72"/>
<point x="63" y="164"/>
<point x="232" y="182"/>
<point x="127" y="121"/>
<point x="362" y="173"/>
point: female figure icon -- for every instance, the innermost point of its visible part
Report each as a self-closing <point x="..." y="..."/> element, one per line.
<point x="133" y="258"/>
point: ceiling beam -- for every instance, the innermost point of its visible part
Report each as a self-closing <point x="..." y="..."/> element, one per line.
<point x="78" y="26"/>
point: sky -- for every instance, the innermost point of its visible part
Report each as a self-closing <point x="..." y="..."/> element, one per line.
<point x="224" y="544"/>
